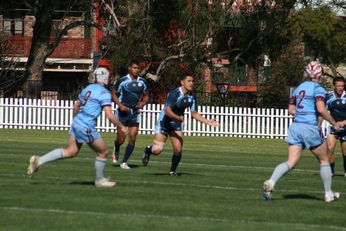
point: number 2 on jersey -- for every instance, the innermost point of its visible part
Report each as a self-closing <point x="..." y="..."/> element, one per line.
<point x="301" y="95"/>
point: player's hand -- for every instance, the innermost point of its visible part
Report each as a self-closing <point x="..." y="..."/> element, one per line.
<point x="181" y="118"/>
<point x="124" y="129"/>
<point x="213" y="123"/>
<point x="140" y="105"/>
<point x="337" y="126"/>
<point x="123" y="108"/>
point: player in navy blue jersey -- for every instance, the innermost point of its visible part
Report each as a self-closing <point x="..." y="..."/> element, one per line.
<point x="171" y="121"/>
<point x="336" y="103"/>
<point x="130" y="93"/>
<point x="93" y="99"/>
<point x="306" y="104"/>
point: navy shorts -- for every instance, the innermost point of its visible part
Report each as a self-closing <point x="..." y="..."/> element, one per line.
<point x="130" y="118"/>
<point x="166" y="127"/>
<point x="341" y="134"/>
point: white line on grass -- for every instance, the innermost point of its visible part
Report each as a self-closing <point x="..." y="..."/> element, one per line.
<point x="230" y="188"/>
<point x="101" y="214"/>
<point x="216" y="187"/>
<point x="217" y="165"/>
<point x="207" y="219"/>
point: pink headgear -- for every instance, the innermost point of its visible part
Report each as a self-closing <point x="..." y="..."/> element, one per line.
<point x="313" y="70"/>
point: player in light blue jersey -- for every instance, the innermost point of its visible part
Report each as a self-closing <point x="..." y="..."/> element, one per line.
<point x="170" y="122"/>
<point x="130" y="93"/>
<point x="93" y="99"/>
<point x="336" y="103"/>
<point x="306" y="104"/>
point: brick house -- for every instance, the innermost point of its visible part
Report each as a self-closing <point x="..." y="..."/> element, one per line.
<point x="68" y="68"/>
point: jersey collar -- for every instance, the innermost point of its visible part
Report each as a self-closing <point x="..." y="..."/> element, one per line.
<point x="181" y="91"/>
<point x="129" y="77"/>
<point x="342" y="95"/>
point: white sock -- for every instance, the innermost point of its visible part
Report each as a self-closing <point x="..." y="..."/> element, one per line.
<point x="100" y="164"/>
<point x="56" y="154"/>
<point x="280" y="171"/>
<point x="326" y="176"/>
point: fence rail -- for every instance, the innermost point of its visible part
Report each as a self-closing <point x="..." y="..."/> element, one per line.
<point x="234" y="121"/>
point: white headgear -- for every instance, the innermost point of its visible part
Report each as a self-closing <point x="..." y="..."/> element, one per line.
<point x="101" y="75"/>
<point x="313" y="70"/>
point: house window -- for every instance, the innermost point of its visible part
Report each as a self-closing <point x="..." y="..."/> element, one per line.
<point x="13" y="26"/>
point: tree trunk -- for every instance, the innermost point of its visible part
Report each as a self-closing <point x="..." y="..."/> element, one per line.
<point x="39" y="49"/>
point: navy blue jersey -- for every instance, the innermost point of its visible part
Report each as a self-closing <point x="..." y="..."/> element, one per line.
<point x="130" y="91"/>
<point x="179" y="102"/>
<point x="336" y="105"/>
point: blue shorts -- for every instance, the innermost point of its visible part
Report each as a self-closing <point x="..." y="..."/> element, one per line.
<point x="305" y="135"/>
<point x="166" y="127"/>
<point x="341" y="134"/>
<point x="130" y="118"/>
<point x="83" y="133"/>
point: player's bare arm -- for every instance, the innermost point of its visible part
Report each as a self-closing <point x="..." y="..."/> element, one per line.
<point x="113" y="119"/>
<point x="117" y="102"/>
<point x="200" y="118"/>
<point x="144" y="101"/>
<point x="172" y="115"/>
<point x="321" y="108"/>
<point x="76" y="107"/>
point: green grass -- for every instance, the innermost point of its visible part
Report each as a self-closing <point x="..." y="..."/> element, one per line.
<point x="219" y="188"/>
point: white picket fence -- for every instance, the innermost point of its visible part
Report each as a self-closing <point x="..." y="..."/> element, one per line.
<point x="234" y="121"/>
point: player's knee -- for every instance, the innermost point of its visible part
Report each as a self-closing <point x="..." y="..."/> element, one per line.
<point x="70" y="153"/>
<point x="157" y="147"/>
<point x="103" y="153"/>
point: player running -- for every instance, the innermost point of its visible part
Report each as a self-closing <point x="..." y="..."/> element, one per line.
<point x="130" y="94"/>
<point x="91" y="101"/>
<point x="171" y="120"/>
<point x="305" y="105"/>
<point x="336" y="103"/>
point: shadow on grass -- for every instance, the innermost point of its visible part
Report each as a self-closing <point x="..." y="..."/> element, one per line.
<point x="167" y="174"/>
<point x="301" y="196"/>
<point x="82" y="183"/>
<point x="130" y="165"/>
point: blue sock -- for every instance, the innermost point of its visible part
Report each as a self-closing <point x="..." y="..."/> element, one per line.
<point x="117" y="147"/>
<point x="326" y="176"/>
<point x="100" y="164"/>
<point x="175" y="162"/>
<point x="147" y="150"/>
<point x="332" y="167"/>
<point x="56" y="154"/>
<point x="280" y="171"/>
<point x="128" y="152"/>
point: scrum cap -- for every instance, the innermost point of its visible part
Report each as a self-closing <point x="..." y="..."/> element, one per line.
<point x="313" y="70"/>
<point x="101" y="75"/>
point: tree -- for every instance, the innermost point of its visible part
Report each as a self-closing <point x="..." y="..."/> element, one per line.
<point x="323" y="34"/>
<point x="168" y="36"/>
<point x="9" y="75"/>
<point x="43" y="44"/>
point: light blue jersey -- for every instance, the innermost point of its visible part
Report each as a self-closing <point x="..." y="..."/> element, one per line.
<point x="304" y="98"/>
<point x="178" y="101"/>
<point x="130" y="91"/>
<point x="93" y="98"/>
<point x="304" y="131"/>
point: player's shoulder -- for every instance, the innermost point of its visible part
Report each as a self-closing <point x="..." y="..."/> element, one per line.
<point x="142" y="79"/>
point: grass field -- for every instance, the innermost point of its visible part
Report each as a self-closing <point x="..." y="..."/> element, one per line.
<point x="219" y="188"/>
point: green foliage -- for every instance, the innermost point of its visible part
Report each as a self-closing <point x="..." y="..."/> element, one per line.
<point x="322" y="32"/>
